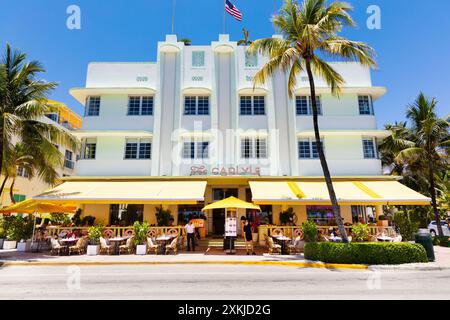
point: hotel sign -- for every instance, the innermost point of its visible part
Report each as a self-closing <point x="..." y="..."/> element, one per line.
<point x="225" y="171"/>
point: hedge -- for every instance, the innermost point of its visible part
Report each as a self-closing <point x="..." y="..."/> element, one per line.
<point x="365" y="253"/>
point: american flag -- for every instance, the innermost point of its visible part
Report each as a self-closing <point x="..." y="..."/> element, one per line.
<point x="231" y="9"/>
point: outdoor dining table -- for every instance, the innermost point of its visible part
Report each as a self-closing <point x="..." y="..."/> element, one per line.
<point x="283" y="240"/>
<point x="336" y="239"/>
<point x="163" y="240"/>
<point x="115" y="242"/>
<point x="66" y="243"/>
<point x="384" y="239"/>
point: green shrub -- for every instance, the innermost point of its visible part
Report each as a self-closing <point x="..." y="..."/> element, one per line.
<point x="365" y="253"/>
<point x="309" y="229"/>
<point x="60" y="219"/>
<point x="360" y="232"/>
<point x="442" y="241"/>
<point x="18" y="228"/>
<point x="140" y="232"/>
<point x="95" y="233"/>
<point x="287" y="217"/>
<point x="2" y="229"/>
<point x="407" y="227"/>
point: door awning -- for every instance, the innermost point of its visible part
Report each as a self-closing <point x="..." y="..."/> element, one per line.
<point x="347" y="192"/>
<point x="126" y="192"/>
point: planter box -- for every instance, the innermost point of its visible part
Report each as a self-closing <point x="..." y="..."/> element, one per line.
<point x="24" y="246"/>
<point x="1" y="243"/>
<point x="141" y="249"/>
<point x="8" y="245"/>
<point x="93" y="250"/>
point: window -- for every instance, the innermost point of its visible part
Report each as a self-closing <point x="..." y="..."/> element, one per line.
<point x="140" y="106"/>
<point x="138" y="149"/>
<point x="195" y="150"/>
<point x="90" y="148"/>
<point x="303" y="105"/>
<point x="53" y="116"/>
<point x="369" y="148"/>
<point x="68" y="157"/>
<point x="21" y="172"/>
<point x="198" y="59"/>
<point x="196" y="105"/>
<point x="125" y="214"/>
<point x="253" y="148"/>
<point x="19" y="197"/>
<point x="93" y="106"/>
<point x="252" y="105"/>
<point x="321" y="215"/>
<point x="307" y="148"/>
<point x="251" y="60"/>
<point x="365" y="105"/>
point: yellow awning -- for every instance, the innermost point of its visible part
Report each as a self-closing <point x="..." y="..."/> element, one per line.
<point x="126" y="192"/>
<point x="347" y="192"/>
<point x="33" y="206"/>
<point x="231" y="203"/>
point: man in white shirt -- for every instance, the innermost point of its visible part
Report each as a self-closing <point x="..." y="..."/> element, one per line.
<point x="190" y="230"/>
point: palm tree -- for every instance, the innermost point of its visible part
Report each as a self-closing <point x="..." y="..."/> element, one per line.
<point x="246" y="41"/>
<point x="23" y="102"/>
<point x="423" y="148"/>
<point x="18" y="158"/>
<point x="310" y="30"/>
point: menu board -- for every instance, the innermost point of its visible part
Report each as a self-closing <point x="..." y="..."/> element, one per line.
<point x="231" y="227"/>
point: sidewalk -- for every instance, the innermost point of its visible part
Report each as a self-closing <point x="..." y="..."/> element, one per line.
<point x="14" y="258"/>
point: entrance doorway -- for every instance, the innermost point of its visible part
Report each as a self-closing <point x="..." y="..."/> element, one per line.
<point x="218" y="215"/>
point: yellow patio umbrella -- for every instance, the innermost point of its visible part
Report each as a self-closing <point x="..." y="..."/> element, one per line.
<point x="32" y="206"/>
<point x="231" y="203"/>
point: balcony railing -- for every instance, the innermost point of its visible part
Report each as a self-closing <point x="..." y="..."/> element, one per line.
<point x="110" y="232"/>
<point x="294" y="231"/>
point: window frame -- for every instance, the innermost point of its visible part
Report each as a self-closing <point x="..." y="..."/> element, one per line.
<point x="89" y="106"/>
<point x="85" y="144"/>
<point x="308" y="105"/>
<point x="370" y="101"/>
<point x="374" y="147"/>
<point x="140" y="142"/>
<point x="196" y="107"/>
<point x="141" y="106"/>
<point x="254" y="147"/>
<point x="311" y="143"/>
<point x="195" y="151"/>
<point x="252" y="105"/>
<point x="204" y="58"/>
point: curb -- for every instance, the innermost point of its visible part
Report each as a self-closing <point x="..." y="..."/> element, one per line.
<point x="224" y="262"/>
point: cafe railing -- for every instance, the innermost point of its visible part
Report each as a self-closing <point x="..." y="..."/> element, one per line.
<point x="110" y="232"/>
<point x="294" y="231"/>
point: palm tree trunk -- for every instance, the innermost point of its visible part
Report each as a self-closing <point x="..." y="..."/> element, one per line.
<point x="11" y="191"/>
<point x="433" y="196"/>
<point x="323" y="161"/>
<point x="3" y="185"/>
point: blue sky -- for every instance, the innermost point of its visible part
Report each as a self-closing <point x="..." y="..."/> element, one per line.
<point x="413" y="44"/>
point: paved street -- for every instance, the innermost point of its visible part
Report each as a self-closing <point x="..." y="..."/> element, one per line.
<point x="217" y="282"/>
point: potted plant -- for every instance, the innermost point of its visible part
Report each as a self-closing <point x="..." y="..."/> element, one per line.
<point x="382" y="221"/>
<point x="287" y="218"/>
<point x="94" y="234"/>
<point x="18" y="229"/>
<point x="309" y="229"/>
<point x="163" y="216"/>
<point x="140" y="237"/>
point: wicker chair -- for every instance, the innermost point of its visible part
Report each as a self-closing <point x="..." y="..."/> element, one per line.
<point x="128" y="247"/>
<point x="297" y="246"/>
<point x="172" y="246"/>
<point x="57" y="248"/>
<point x="151" y="246"/>
<point x="79" y="247"/>
<point x="180" y="243"/>
<point x="273" y="248"/>
<point x="105" y="247"/>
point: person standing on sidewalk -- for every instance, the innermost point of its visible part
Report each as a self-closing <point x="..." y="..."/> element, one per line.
<point x="190" y="230"/>
<point x="248" y="237"/>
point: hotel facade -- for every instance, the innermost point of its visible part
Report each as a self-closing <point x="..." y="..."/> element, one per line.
<point x="190" y="129"/>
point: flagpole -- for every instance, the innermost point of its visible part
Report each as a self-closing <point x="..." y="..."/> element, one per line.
<point x="224" y="17"/>
<point x="174" y="3"/>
